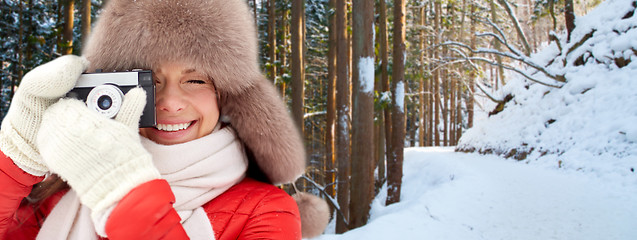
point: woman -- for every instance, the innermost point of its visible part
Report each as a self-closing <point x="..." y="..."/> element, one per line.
<point x="223" y="136"/>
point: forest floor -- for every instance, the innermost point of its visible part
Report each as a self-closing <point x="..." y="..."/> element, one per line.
<point x="452" y="195"/>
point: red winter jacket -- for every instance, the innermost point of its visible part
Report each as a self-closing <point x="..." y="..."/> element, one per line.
<point x="248" y="210"/>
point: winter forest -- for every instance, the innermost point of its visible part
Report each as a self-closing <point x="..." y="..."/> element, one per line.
<point x="367" y="80"/>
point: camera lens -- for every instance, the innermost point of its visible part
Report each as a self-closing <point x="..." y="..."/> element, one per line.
<point x="105" y="99"/>
<point x="104" y="102"/>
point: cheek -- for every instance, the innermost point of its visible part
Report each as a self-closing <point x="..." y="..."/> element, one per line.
<point x="206" y="105"/>
<point x="206" y="101"/>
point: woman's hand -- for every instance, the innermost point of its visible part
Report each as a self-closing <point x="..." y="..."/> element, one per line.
<point x="101" y="159"/>
<point x="39" y="88"/>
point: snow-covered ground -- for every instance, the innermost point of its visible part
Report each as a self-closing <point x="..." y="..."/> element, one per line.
<point x="578" y="180"/>
<point x="464" y="196"/>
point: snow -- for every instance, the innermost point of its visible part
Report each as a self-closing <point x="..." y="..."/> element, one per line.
<point x="578" y="178"/>
<point x="591" y="115"/>
<point x="366" y="75"/>
<point x="452" y="195"/>
<point x="400" y="95"/>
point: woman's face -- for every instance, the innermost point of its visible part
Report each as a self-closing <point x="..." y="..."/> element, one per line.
<point x="185" y="103"/>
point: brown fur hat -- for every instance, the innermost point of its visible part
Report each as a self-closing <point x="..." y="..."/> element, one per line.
<point x="218" y="38"/>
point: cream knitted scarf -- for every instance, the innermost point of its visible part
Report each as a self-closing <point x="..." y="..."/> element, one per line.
<point x="197" y="171"/>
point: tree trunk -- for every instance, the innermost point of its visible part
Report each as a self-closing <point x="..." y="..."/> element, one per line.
<point x="552" y="14"/>
<point x="499" y="78"/>
<point x="59" y="22"/>
<point x="472" y="73"/>
<point x="383" y="87"/>
<point x="569" y="18"/>
<point x="450" y="79"/>
<point x="413" y="123"/>
<point x="444" y="78"/>
<point x="19" y="68"/>
<point x="395" y="163"/>
<point x="379" y="135"/>
<point x="458" y="113"/>
<point x="362" y="188"/>
<point x="343" y="103"/>
<point x="452" y="111"/>
<point x="256" y="14"/>
<point x="297" y="65"/>
<point x="436" y="92"/>
<point x="457" y="121"/>
<point x="421" y="83"/>
<point x="67" y="36"/>
<point x="86" y="20"/>
<point x="272" y="39"/>
<point x="330" y="164"/>
<point x="29" y="48"/>
<point x="384" y="71"/>
<point x="430" y="85"/>
<point x="285" y="29"/>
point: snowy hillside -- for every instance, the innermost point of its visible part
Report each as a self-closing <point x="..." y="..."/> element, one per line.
<point x="593" y="114"/>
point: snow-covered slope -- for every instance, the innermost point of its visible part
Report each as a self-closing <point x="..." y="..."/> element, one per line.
<point x="590" y="123"/>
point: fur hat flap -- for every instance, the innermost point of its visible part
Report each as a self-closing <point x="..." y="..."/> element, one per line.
<point x="315" y="214"/>
<point x="266" y="127"/>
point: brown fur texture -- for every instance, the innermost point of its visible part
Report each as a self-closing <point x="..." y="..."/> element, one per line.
<point x="218" y="38"/>
<point x="315" y="214"/>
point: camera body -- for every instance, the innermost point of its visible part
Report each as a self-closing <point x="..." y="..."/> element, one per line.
<point x="104" y="92"/>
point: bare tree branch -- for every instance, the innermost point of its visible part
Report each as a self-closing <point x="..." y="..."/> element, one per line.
<point x="487" y="94"/>
<point x="581" y="41"/>
<point x="473" y="94"/>
<point x="554" y="38"/>
<point x="473" y="65"/>
<point x="501" y="37"/>
<point x="516" y="24"/>
<point x="489" y="61"/>
<point x="520" y="58"/>
<point x="332" y="201"/>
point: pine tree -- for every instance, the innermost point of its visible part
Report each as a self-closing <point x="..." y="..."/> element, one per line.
<point x="343" y="121"/>
<point x="395" y="162"/>
<point x="362" y="187"/>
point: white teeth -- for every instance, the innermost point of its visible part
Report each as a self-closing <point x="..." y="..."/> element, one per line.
<point x="173" y="127"/>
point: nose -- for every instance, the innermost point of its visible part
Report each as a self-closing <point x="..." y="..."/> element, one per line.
<point x="169" y="99"/>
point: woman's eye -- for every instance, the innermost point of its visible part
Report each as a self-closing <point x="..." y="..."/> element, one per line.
<point x="196" y="81"/>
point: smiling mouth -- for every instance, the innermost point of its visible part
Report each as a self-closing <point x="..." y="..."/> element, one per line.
<point x="173" y="127"/>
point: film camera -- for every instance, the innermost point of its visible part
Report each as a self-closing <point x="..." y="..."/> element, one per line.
<point x="104" y="92"/>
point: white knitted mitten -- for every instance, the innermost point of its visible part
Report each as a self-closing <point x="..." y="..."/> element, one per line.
<point x="101" y="159"/>
<point x="39" y="88"/>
